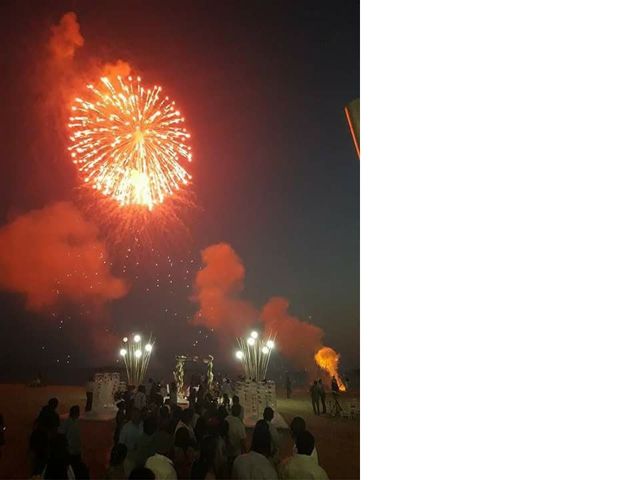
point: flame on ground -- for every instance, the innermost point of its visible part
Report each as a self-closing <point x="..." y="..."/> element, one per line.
<point x="328" y="359"/>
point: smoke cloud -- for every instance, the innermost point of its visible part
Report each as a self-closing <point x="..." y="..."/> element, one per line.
<point x="219" y="285"/>
<point x="53" y="255"/>
<point x="297" y="340"/>
<point x="65" y="38"/>
<point x="218" y="288"/>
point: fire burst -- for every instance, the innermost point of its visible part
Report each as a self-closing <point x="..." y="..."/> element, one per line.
<point x="130" y="142"/>
<point x="328" y="359"/>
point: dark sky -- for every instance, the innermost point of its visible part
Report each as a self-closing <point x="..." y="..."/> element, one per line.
<point x="262" y="85"/>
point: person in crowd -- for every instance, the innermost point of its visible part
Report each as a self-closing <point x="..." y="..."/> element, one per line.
<point x="121" y="418"/>
<point x="161" y="465"/>
<point x="184" y="452"/>
<point x="197" y="413"/>
<point x="48" y="418"/>
<point x="140" y="398"/>
<point x="268" y="416"/>
<point x="70" y="428"/>
<point x="115" y="471"/>
<point x="173" y="393"/>
<point x="131" y="430"/>
<point x="255" y="464"/>
<point x="225" y="401"/>
<point x="322" y="396"/>
<point x="143" y="473"/>
<point x="315" y="397"/>
<point x="288" y="385"/>
<point x="145" y="447"/>
<point x="163" y="437"/>
<point x="236" y="434"/>
<point x="58" y="464"/>
<point x="301" y="464"/>
<point x="235" y="400"/>
<point x="192" y="397"/>
<point x="89" y="392"/>
<point x="210" y="461"/>
<point x="297" y="426"/>
<point x="185" y="421"/>
<point x="38" y="449"/>
<point x="335" y="392"/>
<point x="226" y="388"/>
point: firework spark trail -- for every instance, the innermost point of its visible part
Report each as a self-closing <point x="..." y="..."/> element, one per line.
<point x="130" y="143"/>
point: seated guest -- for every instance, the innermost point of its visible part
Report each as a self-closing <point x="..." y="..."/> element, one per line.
<point x="116" y="463"/>
<point x="301" y="465"/>
<point x="161" y="466"/>
<point x="145" y="446"/>
<point x="210" y="463"/>
<point x="236" y="434"/>
<point x="184" y="453"/>
<point x="297" y="426"/>
<point x="268" y="415"/>
<point x="255" y="464"/>
<point x="185" y="421"/>
<point x="236" y="401"/>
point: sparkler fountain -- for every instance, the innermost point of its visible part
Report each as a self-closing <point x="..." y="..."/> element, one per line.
<point x="136" y="353"/>
<point x="254" y="353"/>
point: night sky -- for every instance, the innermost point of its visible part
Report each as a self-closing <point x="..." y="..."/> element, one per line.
<point x="262" y="86"/>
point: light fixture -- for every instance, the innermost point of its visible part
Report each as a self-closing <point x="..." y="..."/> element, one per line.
<point x="136" y="338"/>
<point x="123" y="352"/>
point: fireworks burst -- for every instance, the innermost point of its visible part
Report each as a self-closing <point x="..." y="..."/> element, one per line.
<point x="130" y="143"/>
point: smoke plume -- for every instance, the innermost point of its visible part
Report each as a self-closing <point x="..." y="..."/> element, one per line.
<point x="297" y="340"/>
<point x="65" y="38"/>
<point x="219" y="286"/>
<point x="54" y="255"/>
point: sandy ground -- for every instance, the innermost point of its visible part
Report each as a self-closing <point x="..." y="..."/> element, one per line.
<point x="337" y="439"/>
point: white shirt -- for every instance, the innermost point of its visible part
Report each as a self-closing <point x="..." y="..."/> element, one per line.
<point x="237" y="434"/>
<point x="314" y="454"/>
<point x="253" y="465"/>
<point x="275" y="438"/>
<point x="302" y="467"/>
<point x="161" y="467"/>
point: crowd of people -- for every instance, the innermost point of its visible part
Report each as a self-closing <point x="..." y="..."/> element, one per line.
<point x="157" y="439"/>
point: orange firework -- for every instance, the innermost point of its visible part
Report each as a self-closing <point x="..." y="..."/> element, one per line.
<point x="129" y="142"/>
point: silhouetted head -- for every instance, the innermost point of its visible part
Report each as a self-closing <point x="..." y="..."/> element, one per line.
<point x="183" y="439"/>
<point x="305" y="443"/>
<point x="74" y="412"/>
<point x="150" y="425"/>
<point x="261" y="440"/>
<point x="235" y="400"/>
<point x="52" y="403"/>
<point x="141" y="473"/>
<point x="118" y="454"/>
<point x="268" y="414"/>
<point x="235" y="410"/>
<point x="297" y="426"/>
